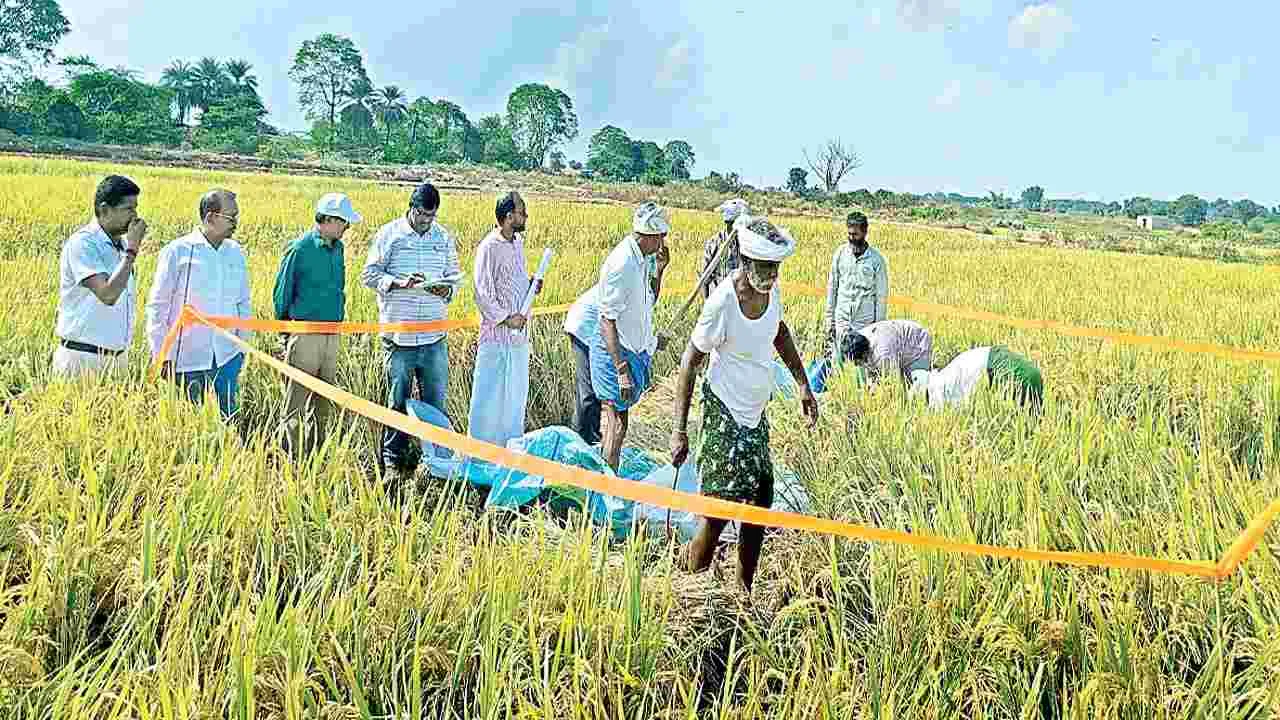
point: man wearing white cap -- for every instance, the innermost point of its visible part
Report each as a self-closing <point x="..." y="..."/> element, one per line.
<point x="740" y="327"/>
<point x="205" y="269"/>
<point x="311" y="286"/>
<point x="623" y="348"/>
<point x="730" y="259"/>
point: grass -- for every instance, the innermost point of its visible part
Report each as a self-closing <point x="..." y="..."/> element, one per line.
<point x="157" y="564"/>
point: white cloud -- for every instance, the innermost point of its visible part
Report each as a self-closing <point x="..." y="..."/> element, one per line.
<point x="574" y="59"/>
<point x="1043" y="29"/>
<point x="676" y="68"/>
<point x="921" y="15"/>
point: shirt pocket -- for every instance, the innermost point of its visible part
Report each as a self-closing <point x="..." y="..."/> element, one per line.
<point x="864" y="276"/>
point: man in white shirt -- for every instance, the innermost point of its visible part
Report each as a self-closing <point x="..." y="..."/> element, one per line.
<point x="956" y="383"/>
<point x="623" y="349"/>
<point x="857" y="287"/>
<point x="740" y="327"/>
<point x="96" y="291"/>
<point x="205" y="269"/>
<point x="414" y="268"/>
<point x="581" y="324"/>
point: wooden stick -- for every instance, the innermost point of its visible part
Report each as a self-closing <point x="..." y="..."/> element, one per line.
<point x="706" y="275"/>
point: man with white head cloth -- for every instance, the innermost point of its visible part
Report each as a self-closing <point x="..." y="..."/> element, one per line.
<point x="731" y="258"/>
<point x="623" y="347"/>
<point x="740" y="328"/>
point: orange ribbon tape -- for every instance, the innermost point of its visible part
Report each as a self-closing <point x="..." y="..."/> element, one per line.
<point x="712" y="507"/>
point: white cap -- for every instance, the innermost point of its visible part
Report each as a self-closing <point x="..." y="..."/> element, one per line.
<point x="338" y="205"/>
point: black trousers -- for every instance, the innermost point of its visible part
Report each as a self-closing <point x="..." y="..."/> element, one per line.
<point x="586" y="409"/>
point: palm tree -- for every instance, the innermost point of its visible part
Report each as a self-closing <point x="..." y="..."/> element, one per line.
<point x="179" y="78"/>
<point x="238" y="72"/>
<point x="210" y="81"/>
<point x="357" y="114"/>
<point x="390" y="102"/>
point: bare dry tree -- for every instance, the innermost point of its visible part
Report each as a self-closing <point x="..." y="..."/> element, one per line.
<point x="832" y="162"/>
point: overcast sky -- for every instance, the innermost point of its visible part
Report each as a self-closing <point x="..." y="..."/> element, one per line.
<point x="1096" y="100"/>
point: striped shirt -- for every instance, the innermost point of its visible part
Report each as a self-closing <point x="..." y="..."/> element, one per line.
<point x="501" y="281"/>
<point x="398" y="252"/>
<point x="729" y="261"/>
<point x="897" y="344"/>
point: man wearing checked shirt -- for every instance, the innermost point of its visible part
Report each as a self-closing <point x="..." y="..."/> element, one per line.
<point x="412" y="266"/>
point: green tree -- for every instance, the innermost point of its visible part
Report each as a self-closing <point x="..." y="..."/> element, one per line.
<point x="612" y="154"/>
<point x="241" y="77"/>
<point x="498" y="146"/>
<point x="210" y="84"/>
<point x="1032" y="197"/>
<point x="179" y="78"/>
<point x="123" y="109"/>
<point x="328" y="70"/>
<point x="1190" y="210"/>
<point x="798" y="181"/>
<point x="540" y="119"/>
<point x="649" y="159"/>
<point x="1136" y="206"/>
<point x="391" y="108"/>
<point x="680" y="159"/>
<point x="1246" y="210"/>
<point x="29" y="29"/>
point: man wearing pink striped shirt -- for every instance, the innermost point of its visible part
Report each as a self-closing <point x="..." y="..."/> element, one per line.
<point x="500" y="385"/>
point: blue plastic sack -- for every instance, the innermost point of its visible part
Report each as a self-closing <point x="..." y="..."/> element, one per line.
<point x="439" y="460"/>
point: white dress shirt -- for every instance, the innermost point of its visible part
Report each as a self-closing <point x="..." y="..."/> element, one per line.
<point x="82" y="317"/>
<point x="627" y="298"/>
<point x="190" y="271"/>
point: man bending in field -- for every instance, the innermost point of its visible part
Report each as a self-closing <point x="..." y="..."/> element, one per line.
<point x="740" y="327"/>
<point x="960" y="379"/>
<point x="887" y="346"/>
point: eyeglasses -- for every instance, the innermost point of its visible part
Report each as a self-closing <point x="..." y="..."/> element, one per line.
<point x="233" y="219"/>
<point x="422" y="213"/>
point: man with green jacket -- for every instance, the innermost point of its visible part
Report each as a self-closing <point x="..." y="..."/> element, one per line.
<point x="310" y="286"/>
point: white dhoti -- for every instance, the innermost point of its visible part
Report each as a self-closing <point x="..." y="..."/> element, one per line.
<point x="72" y="364"/>
<point x="499" y="393"/>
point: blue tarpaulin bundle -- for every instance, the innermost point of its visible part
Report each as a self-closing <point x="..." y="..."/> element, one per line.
<point x="511" y="489"/>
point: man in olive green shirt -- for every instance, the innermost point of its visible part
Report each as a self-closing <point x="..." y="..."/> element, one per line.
<point x="311" y="285"/>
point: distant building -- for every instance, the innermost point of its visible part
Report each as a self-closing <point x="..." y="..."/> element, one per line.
<point x="1154" y="222"/>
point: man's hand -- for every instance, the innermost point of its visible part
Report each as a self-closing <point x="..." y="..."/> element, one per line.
<point x="663" y="341"/>
<point x="679" y="447"/>
<point x="134" y="235"/>
<point x="515" y="321"/>
<point x="626" y="387"/>
<point x="440" y="291"/>
<point x="166" y="369"/>
<point x="537" y="287"/>
<point x="412" y="281"/>
<point x="810" y="404"/>
<point x="663" y="258"/>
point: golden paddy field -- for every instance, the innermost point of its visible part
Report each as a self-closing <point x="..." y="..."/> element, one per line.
<point x="155" y="563"/>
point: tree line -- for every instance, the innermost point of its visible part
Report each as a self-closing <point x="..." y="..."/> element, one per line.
<point x="213" y="104"/>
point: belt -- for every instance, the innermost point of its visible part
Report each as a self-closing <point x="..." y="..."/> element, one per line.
<point x="87" y="348"/>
